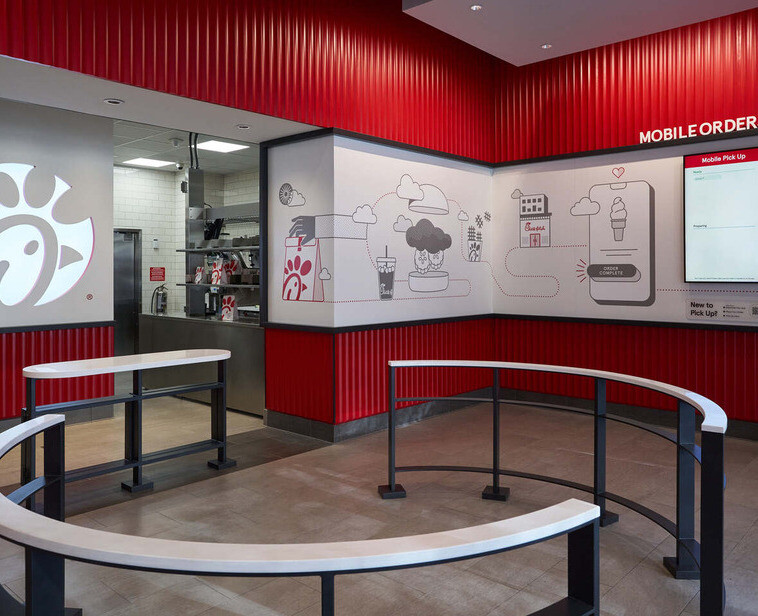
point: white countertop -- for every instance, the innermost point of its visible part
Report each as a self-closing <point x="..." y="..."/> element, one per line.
<point x="124" y="363"/>
<point x="714" y="417"/>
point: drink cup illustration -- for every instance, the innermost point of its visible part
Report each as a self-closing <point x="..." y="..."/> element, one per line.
<point x="618" y="218"/>
<point x="386" y="267"/>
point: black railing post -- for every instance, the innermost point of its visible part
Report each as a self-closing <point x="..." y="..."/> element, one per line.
<point x="606" y="517"/>
<point x="133" y="437"/>
<point x="584" y="565"/>
<point x="218" y="419"/>
<point x="712" y="525"/>
<point x="392" y="489"/>
<point x="683" y="566"/>
<point x="495" y="492"/>
<point x="327" y="594"/>
<point x="45" y="572"/>
<point x="28" y="447"/>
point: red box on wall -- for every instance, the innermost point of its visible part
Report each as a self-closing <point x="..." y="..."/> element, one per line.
<point x="157" y="274"/>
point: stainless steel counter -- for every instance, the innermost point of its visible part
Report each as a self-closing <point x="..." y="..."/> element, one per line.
<point x="246" y="380"/>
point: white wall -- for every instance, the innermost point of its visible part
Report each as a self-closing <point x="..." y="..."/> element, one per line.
<point x="580" y="267"/>
<point x="151" y="201"/>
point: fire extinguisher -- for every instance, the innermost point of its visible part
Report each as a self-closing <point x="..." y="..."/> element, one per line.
<point x="159" y="300"/>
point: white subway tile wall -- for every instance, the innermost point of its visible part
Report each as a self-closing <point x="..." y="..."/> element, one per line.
<point x="152" y="201"/>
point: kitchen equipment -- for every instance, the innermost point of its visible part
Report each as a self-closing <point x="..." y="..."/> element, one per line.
<point x="213" y="298"/>
<point x="159" y="300"/>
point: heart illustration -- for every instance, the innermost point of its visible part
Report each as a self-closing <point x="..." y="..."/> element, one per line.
<point x="618" y="171"/>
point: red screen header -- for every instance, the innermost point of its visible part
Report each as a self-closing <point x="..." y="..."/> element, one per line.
<point x="721" y="158"/>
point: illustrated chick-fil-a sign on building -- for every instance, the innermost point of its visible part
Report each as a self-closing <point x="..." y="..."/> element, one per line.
<point x="687" y="131"/>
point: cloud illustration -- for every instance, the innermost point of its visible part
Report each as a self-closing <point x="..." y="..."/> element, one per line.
<point x="408" y="189"/>
<point x="402" y="224"/>
<point x="585" y="207"/>
<point x="517" y="194"/>
<point x="324" y="274"/>
<point x="297" y="199"/>
<point x="364" y="214"/>
<point x="462" y="216"/>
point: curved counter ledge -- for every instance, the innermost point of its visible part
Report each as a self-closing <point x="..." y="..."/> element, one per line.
<point x="714" y="417"/>
<point x="125" y="363"/>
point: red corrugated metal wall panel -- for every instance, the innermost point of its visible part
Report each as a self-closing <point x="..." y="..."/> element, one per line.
<point x="300" y="373"/>
<point x="361" y="363"/>
<point x="27" y="348"/>
<point x="603" y="98"/>
<point x="715" y="363"/>
<point x="363" y="66"/>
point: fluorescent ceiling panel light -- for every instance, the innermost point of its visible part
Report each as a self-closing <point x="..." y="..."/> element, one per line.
<point x="148" y="162"/>
<point x="221" y="146"/>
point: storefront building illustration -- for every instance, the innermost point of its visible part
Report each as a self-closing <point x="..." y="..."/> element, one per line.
<point x="534" y="221"/>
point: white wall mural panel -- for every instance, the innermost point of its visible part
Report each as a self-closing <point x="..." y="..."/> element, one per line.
<point x="420" y="239"/>
<point x="300" y="199"/>
<point x="56" y="216"/>
<point x="403" y="236"/>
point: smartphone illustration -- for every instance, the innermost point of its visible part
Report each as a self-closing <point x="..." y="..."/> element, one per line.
<point x="622" y="244"/>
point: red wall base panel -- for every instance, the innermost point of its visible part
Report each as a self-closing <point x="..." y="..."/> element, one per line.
<point x="300" y="373"/>
<point x="18" y="350"/>
<point x="308" y="377"/>
<point x="361" y="364"/>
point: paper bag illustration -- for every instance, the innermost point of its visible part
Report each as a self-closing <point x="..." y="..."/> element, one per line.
<point x="302" y="264"/>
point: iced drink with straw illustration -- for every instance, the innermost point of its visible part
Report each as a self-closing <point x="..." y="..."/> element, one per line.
<point x="386" y="266"/>
<point x="618" y="218"/>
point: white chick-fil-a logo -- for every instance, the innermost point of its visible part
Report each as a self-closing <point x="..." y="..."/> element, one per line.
<point x="41" y="258"/>
<point x="685" y="131"/>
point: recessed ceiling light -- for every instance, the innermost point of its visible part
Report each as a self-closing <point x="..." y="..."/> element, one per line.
<point x="546" y="45"/>
<point x="148" y="162"/>
<point x="243" y="126"/>
<point x="113" y="101"/>
<point x="476" y="7"/>
<point x="221" y="146"/>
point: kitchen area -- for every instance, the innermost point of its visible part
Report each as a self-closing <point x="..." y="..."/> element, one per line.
<point x="187" y="254"/>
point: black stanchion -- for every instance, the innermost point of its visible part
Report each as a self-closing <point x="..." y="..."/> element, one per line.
<point x="683" y="566"/>
<point x="218" y="420"/>
<point x="606" y="517"/>
<point x="712" y="594"/>
<point x="392" y="489"/>
<point x="494" y="491"/>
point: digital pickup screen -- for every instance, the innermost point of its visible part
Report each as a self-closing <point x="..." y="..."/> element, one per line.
<point x="721" y="216"/>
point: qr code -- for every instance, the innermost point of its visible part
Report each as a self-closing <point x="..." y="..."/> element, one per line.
<point x="755" y="311"/>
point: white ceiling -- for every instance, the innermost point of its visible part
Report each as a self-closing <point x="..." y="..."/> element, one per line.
<point x="136" y="140"/>
<point x="53" y="87"/>
<point x="514" y="30"/>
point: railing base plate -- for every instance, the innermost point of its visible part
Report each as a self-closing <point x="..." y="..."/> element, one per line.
<point x="608" y="518"/>
<point x="132" y="487"/>
<point x="386" y="491"/>
<point x="672" y="565"/>
<point x="502" y="494"/>
<point x="228" y="463"/>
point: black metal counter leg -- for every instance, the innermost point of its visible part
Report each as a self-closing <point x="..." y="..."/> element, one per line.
<point x="218" y="420"/>
<point x="327" y="594"/>
<point x="133" y="438"/>
<point x="28" y="447"/>
<point x="712" y="593"/>
<point x="392" y="489"/>
<point x="683" y="566"/>
<point x="494" y="491"/>
<point x="606" y="517"/>
<point x="584" y="566"/>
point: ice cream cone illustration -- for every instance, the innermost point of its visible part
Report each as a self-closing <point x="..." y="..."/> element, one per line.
<point x="618" y="218"/>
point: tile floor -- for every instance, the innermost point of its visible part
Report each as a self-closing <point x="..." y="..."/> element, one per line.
<point x="329" y="494"/>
